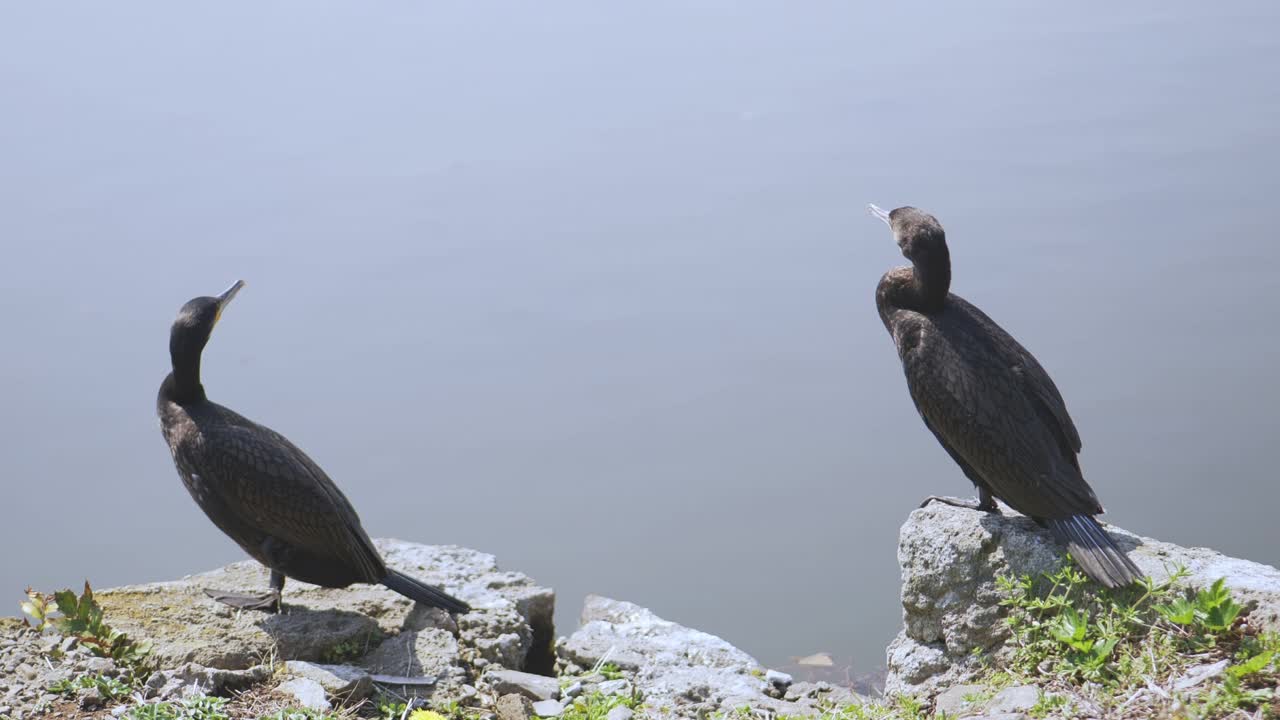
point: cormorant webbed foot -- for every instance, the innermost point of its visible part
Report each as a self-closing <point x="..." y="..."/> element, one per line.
<point x="960" y="503"/>
<point x="266" y="602"/>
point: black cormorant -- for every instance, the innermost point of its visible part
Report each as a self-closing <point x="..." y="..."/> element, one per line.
<point x="990" y="404"/>
<point x="260" y="489"/>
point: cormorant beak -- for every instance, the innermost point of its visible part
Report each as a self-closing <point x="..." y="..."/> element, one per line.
<point x="879" y="212"/>
<point x="226" y="297"/>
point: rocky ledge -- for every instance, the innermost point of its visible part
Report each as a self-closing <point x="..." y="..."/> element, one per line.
<point x="344" y="648"/>
<point x="951" y="611"/>
<point x="354" y="647"/>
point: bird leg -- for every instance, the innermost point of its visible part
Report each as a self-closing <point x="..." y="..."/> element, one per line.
<point x="987" y="501"/>
<point x="267" y="602"/>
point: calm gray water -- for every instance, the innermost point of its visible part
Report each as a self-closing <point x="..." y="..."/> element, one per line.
<point x="590" y="287"/>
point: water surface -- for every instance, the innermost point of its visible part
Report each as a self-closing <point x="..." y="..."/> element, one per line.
<point x="590" y="287"/>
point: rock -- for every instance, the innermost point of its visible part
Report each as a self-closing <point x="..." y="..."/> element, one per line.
<point x="614" y="687"/>
<point x="778" y="679"/>
<point x="514" y="707"/>
<point x="26" y="672"/>
<point x="997" y="716"/>
<point x="622" y="712"/>
<point x="822" y="693"/>
<point x="1014" y="700"/>
<point x="342" y="684"/>
<point x="679" y="671"/>
<point x="951" y="556"/>
<point x="90" y="698"/>
<point x="511" y="622"/>
<point x="432" y="653"/>
<point x="101" y="665"/>
<point x="194" y="679"/>
<point x="69" y="644"/>
<point x="573" y="690"/>
<point x="951" y="702"/>
<point x="534" y="687"/>
<point x="548" y="708"/>
<point x="1199" y="674"/>
<point x="307" y="692"/>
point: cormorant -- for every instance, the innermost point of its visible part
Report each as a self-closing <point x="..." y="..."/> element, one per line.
<point x="992" y="407"/>
<point x="260" y="489"/>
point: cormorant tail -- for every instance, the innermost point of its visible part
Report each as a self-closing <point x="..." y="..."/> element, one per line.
<point x="419" y="591"/>
<point x="1094" y="550"/>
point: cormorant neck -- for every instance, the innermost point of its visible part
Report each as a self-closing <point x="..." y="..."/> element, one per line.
<point x="931" y="281"/>
<point x="183" y="384"/>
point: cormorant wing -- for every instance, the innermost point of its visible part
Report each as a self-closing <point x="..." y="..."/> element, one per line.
<point x="1037" y="382"/>
<point x="272" y="485"/>
<point x="969" y="394"/>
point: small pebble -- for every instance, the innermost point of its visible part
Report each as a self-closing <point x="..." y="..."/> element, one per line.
<point x="778" y="679"/>
<point x="573" y="690"/>
<point x="548" y="708"/>
<point x="622" y="712"/>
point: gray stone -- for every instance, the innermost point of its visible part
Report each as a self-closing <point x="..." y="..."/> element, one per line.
<point x="952" y="701"/>
<point x="680" y="671"/>
<point x="90" y="698"/>
<point x="997" y="716"/>
<point x="1199" y="674"/>
<point x="622" y="712"/>
<point x="101" y="665"/>
<point x="574" y="690"/>
<point x="778" y="679"/>
<point x="951" y="556"/>
<point x="822" y="693"/>
<point x="534" y="687"/>
<point x="193" y="679"/>
<point x="432" y="653"/>
<point x="1014" y="699"/>
<point x="342" y="684"/>
<point x="514" y="707"/>
<point x="511" y="622"/>
<point x="614" y="687"/>
<point x="548" y="708"/>
<point x="69" y="644"/>
<point x="307" y="692"/>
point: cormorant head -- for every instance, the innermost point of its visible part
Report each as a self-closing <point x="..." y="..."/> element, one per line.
<point x="190" y="332"/>
<point x="918" y="234"/>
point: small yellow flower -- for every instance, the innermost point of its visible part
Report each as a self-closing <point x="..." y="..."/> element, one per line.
<point x="425" y="715"/>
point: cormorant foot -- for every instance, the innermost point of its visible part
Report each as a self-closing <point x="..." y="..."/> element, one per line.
<point x="957" y="502"/>
<point x="266" y="602"/>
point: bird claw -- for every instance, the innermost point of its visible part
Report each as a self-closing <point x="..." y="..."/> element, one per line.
<point x="266" y="602"/>
<point x="961" y="503"/>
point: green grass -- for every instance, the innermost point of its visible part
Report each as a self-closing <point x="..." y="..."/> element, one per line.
<point x="1070" y="635"/>
<point x="302" y="714"/>
<point x="595" y="706"/>
<point x="199" y="708"/>
<point x="348" y="650"/>
<point x="110" y="688"/>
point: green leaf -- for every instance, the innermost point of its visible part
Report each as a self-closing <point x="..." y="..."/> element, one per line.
<point x="1257" y="663"/>
<point x="1178" y="612"/>
<point x="1222" y="616"/>
<point x="66" y="601"/>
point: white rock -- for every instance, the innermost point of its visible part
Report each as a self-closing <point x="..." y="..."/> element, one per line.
<point x="342" y="684"/>
<point x="951" y="556"/>
<point x="307" y="692"/>
<point x="534" y="687"/>
<point x="548" y="708"/>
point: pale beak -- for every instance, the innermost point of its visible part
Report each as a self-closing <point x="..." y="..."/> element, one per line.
<point x="879" y="212"/>
<point x="226" y="296"/>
